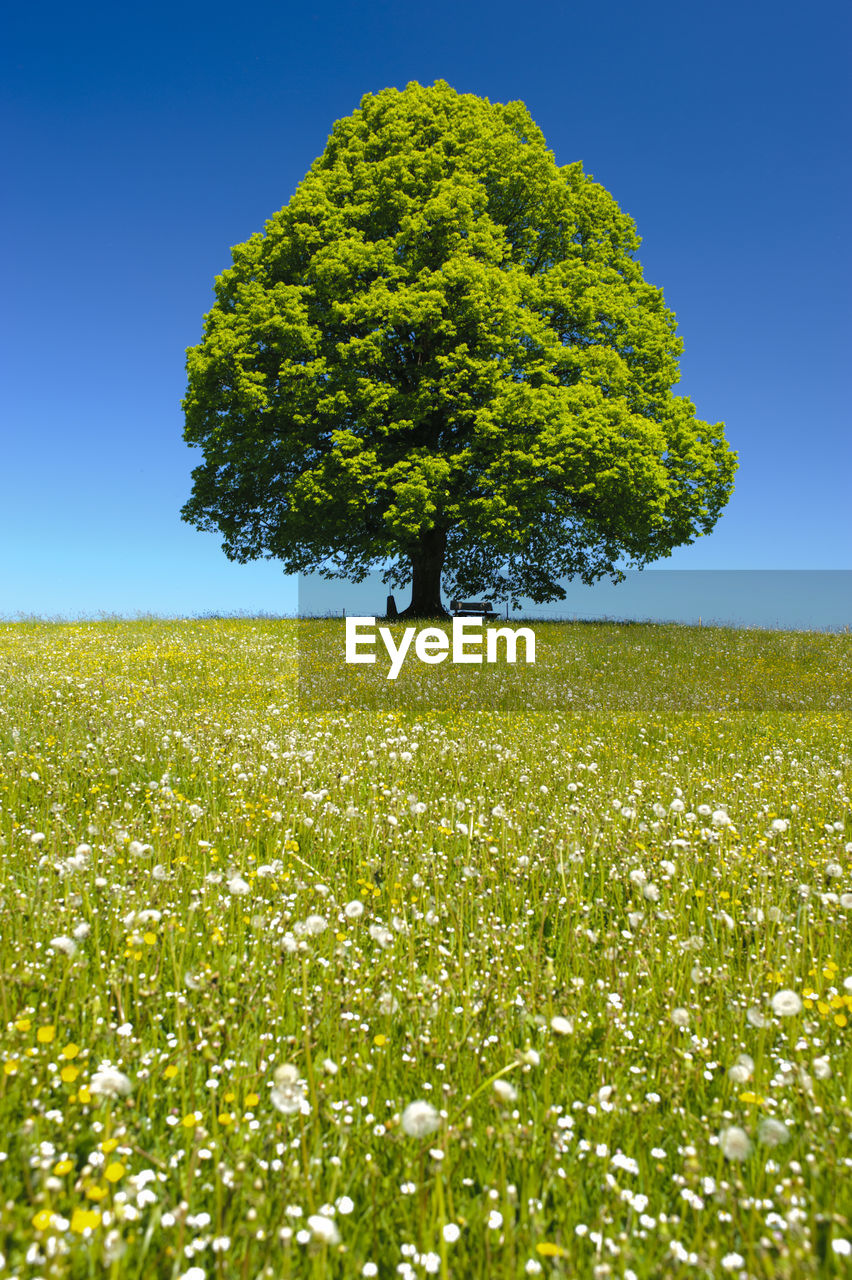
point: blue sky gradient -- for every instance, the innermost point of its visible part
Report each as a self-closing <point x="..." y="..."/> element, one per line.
<point x="142" y="143"/>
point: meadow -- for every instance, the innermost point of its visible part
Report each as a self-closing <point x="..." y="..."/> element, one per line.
<point x="297" y="983"/>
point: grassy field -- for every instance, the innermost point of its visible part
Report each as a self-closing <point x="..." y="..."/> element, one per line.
<point x="553" y="984"/>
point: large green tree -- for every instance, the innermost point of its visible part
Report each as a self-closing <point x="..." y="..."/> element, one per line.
<point x="441" y="355"/>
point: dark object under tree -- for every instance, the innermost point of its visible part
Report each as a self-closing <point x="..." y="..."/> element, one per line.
<point x="441" y="355"/>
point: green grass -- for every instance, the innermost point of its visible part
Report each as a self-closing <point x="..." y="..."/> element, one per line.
<point x="517" y="857"/>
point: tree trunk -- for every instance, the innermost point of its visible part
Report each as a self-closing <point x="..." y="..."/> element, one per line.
<point x="427" y="563"/>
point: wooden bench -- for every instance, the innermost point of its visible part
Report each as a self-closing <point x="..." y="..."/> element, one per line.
<point x="472" y="609"/>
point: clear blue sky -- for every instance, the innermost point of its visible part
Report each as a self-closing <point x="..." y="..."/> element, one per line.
<point x="143" y="141"/>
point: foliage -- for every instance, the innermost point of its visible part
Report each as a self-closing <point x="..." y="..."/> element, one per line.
<point x="442" y="353"/>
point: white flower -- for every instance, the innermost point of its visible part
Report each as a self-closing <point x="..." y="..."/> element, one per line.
<point x="505" y="1092"/>
<point x="323" y="1228"/>
<point x="64" y="944"/>
<point x="780" y="824"/>
<point x="109" y="1082"/>
<point x="786" y="1004"/>
<point x="495" y="1220"/>
<point x="531" y="1057"/>
<point x="194" y="1273"/>
<point x="841" y="1247"/>
<point x="288" y="1094"/>
<point x="381" y="935"/>
<point x="562" y="1026"/>
<point x="345" y="1205"/>
<point x="773" y="1132"/>
<point x="315" y="924"/>
<point x="742" y="1069"/>
<point x="419" y="1119"/>
<point x="238" y="886"/>
<point x="720" y="819"/>
<point x="677" y="806"/>
<point x="451" y="1232"/>
<point x="680" y="1017"/>
<point x="822" y="1068"/>
<point x="734" y="1143"/>
<point x="732" y="1261"/>
<point x="353" y="909"/>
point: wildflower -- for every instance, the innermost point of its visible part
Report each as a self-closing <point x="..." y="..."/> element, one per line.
<point x="353" y="909"/>
<point x="323" y="1228"/>
<point x="562" y="1026"/>
<point x="238" y="886"/>
<point x="735" y="1143"/>
<point x="419" y="1119"/>
<point x="720" y="818"/>
<point x="505" y="1092"/>
<point x="786" y="1004"/>
<point x="109" y="1082"/>
<point x="495" y="1220"/>
<point x="315" y="924"/>
<point x="742" y="1069"/>
<point x="822" y="1068"/>
<point x="64" y="944"/>
<point x="381" y="935"/>
<point x="843" y="1248"/>
<point x="288" y="1095"/>
<point x="772" y="1133"/>
<point x="451" y="1232"/>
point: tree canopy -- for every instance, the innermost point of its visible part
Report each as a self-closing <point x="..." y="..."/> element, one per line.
<point x="442" y="356"/>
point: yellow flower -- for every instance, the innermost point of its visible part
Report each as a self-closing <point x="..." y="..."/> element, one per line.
<point x="109" y="1145"/>
<point x="170" y="1071"/>
<point x="85" y="1219"/>
<point x="380" y="1040"/>
<point x="10" y="1066"/>
<point x="70" y="1051"/>
<point x="840" y="1019"/>
<point x="69" y="1074"/>
<point x="84" y="1096"/>
<point x="150" y="938"/>
<point x="23" y="1024"/>
<point x="96" y="1193"/>
<point x="45" y="1035"/>
<point x="224" y="1118"/>
<point x="62" y="1167"/>
<point x="41" y="1220"/>
<point x="549" y="1250"/>
<point x="114" y="1172"/>
<point x="189" y="1121"/>
<point x="252" y="1099"/>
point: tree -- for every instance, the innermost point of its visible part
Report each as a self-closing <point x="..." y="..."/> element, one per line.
<point x="441" y="358"/>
